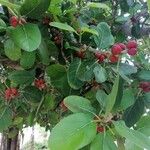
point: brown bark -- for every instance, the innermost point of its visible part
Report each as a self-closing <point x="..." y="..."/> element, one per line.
<point x="8" y="143"/>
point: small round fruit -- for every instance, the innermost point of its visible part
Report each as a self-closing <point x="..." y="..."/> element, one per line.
<point x="113" y="59"/>
<point x="116" y="49"/>
<point x="80" y="54"/>
<point x="132" y="51"/>
<point x="145" y="86"/>
<point x="14" y="21"/>
<point x="132" y="44"/>
<point x="100" y="129"/>
<point x="123" y="47"/>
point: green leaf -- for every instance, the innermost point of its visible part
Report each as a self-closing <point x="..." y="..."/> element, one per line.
<point x="147" y="99"/>
<point x="89" y="30"/>
<point x="28" y="59"/>
<point x="111" y="98"/>
<point x="148" y="3"/>
<point x="32" y="94"/>
<point x="5" y="118"/>
<point x="27" y="37"/>
<point x="127" y="69"/>
<point x="2" y="25"/>
<point x="134" y="112"/>
<point x="105" y="38"/>
<point x="131" y="146"/>
<point x="21" y="77"/>
<point x="55" y="7"/>
<point x="100" y="74"/>
<point x="12" y="51"/>
<point x="58" y="77"/>
<point x="73" y="81"/>
<point x="135" y="137"/>
<point x="35" y="8"/>
<point x="78" y="104"/>
<point x="144" y="75"/>
<point x="85" y="72"/>
<point x="49" y="101"/>
<point x="143" y="122"/>
<point x="62" y="26"/>
<point x="44" y="53"/>
<point x="103" y="142"/>
<point x="71" y="132"/>
<point x="128" y="98"/>
<point x="98" y="5"/>
<point x="101" y="97"/>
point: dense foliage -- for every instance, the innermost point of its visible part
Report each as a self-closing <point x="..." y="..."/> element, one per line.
<point x="81" y="65"/>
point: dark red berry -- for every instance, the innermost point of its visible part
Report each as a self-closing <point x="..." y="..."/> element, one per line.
<point x="63" y="106"/>
<point x="14" y="21"/>
<point x="46" y="20"/>
<point x="132" y="51"/>
<point x="132" y="44"/>
<point x="100" y="56"/>
<point x="80" y="54"/>
<point x="145" y="86"/>
<point x="100" y="129"/>
<point x="123" y="46"/>
<point x="116" y="49"/>
<point x="113" y="59"/>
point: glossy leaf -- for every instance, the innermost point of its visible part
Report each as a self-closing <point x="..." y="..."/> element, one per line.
<point x="78" y="104"/>
<point x="34" y="8"/>
<point x="135" y="137"/>
<point x="73" y="81"/>
<point x="12" y="51"/>
<point x="71" y="132"/>
<point x="28" y="59"/>
<point x="26" y="37"/>
<point x="100" y="74"/>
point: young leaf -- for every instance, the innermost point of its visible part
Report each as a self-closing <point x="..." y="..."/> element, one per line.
<point x="73" y="132"/>
<point x="98" y="5"/>
<point x="78" y="104"/>
<point x="135" y="137"/>
<point x="26" y="37"/>
<point x="12" y="51"/>
<point x="73" y="81"/>
<point x="103" y="142"/>
<point x="62" y="26"/>
<point x="111" y="98"/>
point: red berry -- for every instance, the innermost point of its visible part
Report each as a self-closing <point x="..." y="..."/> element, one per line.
<point x="100" y="56"/>
<point x="145" y="86"/>
<point x="80" y="54"/>
<point x="46" y="20"/>
<point x="63" y="106"/>
<point x="122" y="46"/>
<point x="11" y="93"/>
<point x="100" y="129"/>
<point x="40" y="84"/>
<point x="116" y="49"/>
<point x="132" y="44"/>
<point x="132" y="51"/>
<point x="14" y="21"/>
<point x="113" y="59"/>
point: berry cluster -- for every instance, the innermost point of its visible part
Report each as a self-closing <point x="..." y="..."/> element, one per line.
<point x="11" y="93"/>
<point x="40" y="84"/>
<point x="116" y="50"/>
<point x="15" y="21"/>
<point x="145" y="86"/>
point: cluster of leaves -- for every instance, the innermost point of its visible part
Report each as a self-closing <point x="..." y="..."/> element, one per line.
<point x="49" y="58"/>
